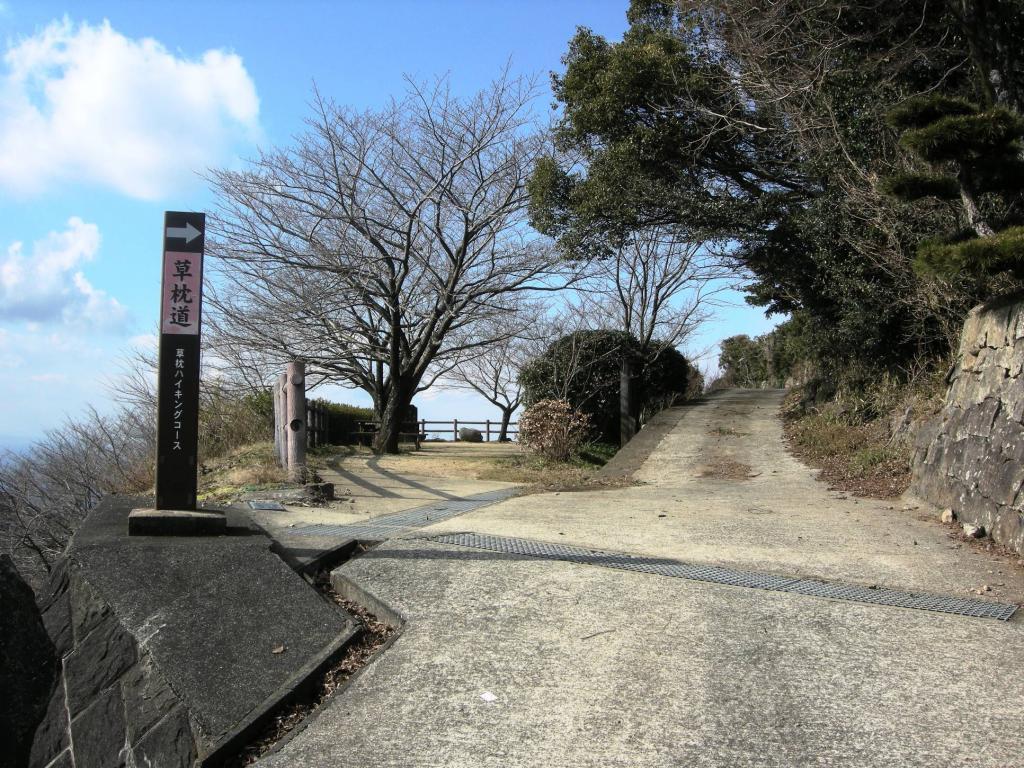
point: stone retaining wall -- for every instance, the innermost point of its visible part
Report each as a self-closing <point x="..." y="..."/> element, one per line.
<point x="111" y="706"/>
<point x="970" y="457"/>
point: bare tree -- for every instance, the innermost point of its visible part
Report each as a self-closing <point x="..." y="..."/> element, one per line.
<point x="47" y="491"/>
<point x="657" y="286"/>
<point x="374" y="246"/>
<point x="493" y="371"/>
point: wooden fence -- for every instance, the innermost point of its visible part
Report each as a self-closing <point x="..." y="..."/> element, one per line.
<point x="318" y="425"/>
<point x="487" y="428"/>
<point x="319" y="432"/>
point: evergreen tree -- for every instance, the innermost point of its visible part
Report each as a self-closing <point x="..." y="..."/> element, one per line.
<point x="973" y="155"/>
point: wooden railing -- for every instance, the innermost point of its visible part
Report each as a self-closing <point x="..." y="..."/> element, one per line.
<point x="489" y="428"/>
<point x="450" y="427"/>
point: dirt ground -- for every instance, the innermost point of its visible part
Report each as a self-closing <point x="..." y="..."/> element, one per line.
<point x="450" y="460"/>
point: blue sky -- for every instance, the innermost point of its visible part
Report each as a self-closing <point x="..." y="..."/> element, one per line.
<point x="111" y="111"/>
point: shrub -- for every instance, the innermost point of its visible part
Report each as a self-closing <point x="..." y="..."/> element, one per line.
<point x="584" y="369"/>
<point x="552" y="429"/>
<point x="343" y="420"/>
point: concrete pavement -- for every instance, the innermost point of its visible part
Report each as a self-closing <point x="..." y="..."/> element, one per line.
<point x="516" y="661"/>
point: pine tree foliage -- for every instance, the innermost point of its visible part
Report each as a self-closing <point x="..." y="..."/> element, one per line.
<point x="974" y="155"/>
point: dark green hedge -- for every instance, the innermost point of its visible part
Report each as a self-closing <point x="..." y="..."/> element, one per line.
<point x="584" y="368"/>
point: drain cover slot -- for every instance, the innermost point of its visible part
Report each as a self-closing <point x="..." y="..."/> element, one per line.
<point x="960" y="606"/>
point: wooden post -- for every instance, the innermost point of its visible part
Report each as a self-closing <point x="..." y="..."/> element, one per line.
<point x="296" y="379"/>
<point x="455" y="430"/>
<point x="278" y="420"/>
<point x="282" y="425"/>
<point x="488" y="430"/>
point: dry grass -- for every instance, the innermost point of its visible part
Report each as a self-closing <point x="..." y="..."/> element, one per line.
<point x="857" y="458"/>
<point x="542" y="475"/>
<point x="450" y="460"/>
<point x="246" y="469"/>
<point x="532" y="470"/>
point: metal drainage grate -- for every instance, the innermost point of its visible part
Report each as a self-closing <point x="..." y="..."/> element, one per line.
<point x="397" y="523"/>
<point x="959" y="606"/>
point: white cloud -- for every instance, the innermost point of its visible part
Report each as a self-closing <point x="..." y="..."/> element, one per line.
<point x="46" y="378"/>
<point x="146" y="342"/>
<point x="87" y="104"/>
<point x="48" y="285"/>
<point x="47" y="375"/>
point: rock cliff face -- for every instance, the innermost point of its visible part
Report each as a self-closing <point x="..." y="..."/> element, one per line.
<point x="970" y="457"/>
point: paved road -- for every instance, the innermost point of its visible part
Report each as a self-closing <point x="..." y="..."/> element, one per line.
<point x="598" y="667"/>
<point x="370" y="487"/>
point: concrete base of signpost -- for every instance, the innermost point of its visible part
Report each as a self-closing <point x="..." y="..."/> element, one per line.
<point x="176" y="522"/>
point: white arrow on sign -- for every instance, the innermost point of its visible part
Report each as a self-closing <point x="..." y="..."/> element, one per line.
<point x="188" y="232"/>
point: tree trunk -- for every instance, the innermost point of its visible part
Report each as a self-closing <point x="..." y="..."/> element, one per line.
<point x="975" y="219"/>
<point x="627" y="420"/>
<point x="506" y="417"/>
<point x="392" y="416"/>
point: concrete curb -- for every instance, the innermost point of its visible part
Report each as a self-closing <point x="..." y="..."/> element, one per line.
<point x="350" y="590"/>
<point x="301" y="685"/>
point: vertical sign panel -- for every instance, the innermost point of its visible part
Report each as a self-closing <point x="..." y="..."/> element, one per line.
<point x="181" y="291"/>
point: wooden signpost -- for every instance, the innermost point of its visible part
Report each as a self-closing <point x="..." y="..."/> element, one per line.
<point x="177" y="435"/>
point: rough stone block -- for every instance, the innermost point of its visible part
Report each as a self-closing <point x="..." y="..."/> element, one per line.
<point x="97" y="734"/>
<point x="993" y="379"/>
<point x="97" y="662"/>
<point x="1018" y="323"/>
<point x="974" y="531"/>
<point x="169" y="744"/>
<point x="972" y="454"/>
<point x="979" y="420"/>
<point x="88" y="609"/>
<point x="1007" y="440"/>
<point x="147" y="697"/>
<point x="65" y="760"/>
<point x="1016" y="358"/>
<point x="971" y="337"/>
<point x="56" y="585"/>
<point x="1008" y="527"/>
<point x="57" y="619"/>
<point x="1000" y="480"/>
<point x="51" y="736"/>
<point x="28" y="666"/>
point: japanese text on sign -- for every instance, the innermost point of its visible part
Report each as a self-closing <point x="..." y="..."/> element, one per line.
<point x="179" y="309"/>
